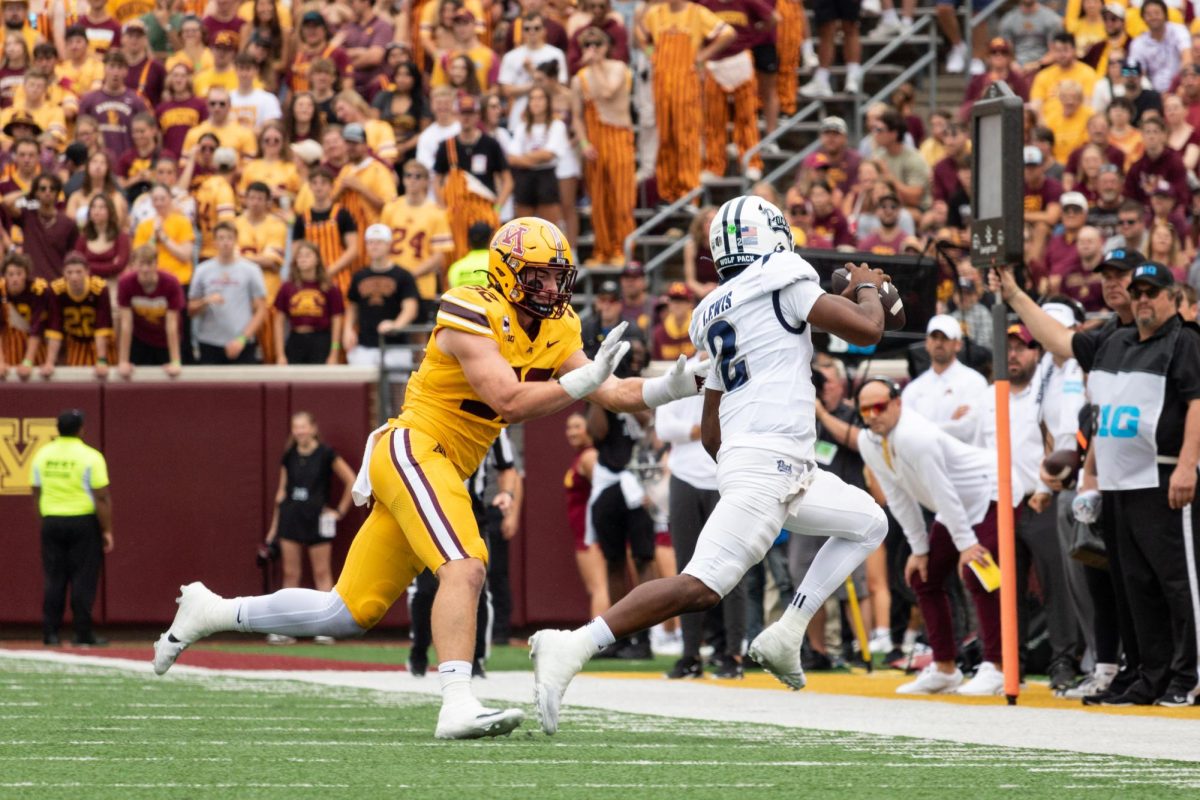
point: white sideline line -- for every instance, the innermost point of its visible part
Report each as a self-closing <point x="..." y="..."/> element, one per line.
<point x="1035" y="728"/>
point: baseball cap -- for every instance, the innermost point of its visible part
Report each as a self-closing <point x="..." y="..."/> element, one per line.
<point x="226" y="39"/>
<point x="1022" y="333"/>
<point x="1073" y="199"/>
<point x="944" y="324"/>
<point x="378" y="233"/>
<point x="467" y="104"/>
<point x="463" y="14"/>
<point x="308" y="150"/>
<point x="609" y="287"/>
<point x="355" y="132"/>
<point x="835" y="124"/>
<point x="134" y="24"/>
<point x="678" y="291"/>
<point x="633" y="269"/>
<point x="1121" y="259"/>
<point x="1131" y="67"/>
<point x="1153" y="273"/>
<point x="1116" y="9"/>
<point x="225" y="157"/>
<point x="313" y="18"/>
<point x="1062" y="313"/>
<point x="1032" y="156"/>
<point x="999" y="45"/>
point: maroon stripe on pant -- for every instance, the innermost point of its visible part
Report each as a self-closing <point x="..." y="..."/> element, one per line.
<point x="416" y="500"/>
<point x="432" y="495"/>
<point x="935" y="602"/>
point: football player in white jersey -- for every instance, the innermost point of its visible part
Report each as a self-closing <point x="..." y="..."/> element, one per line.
<point x="759" y="425"/>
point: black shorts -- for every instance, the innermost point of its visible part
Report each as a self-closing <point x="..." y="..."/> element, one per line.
<point x="147" y="355"/>
<point x="535" y="187"/>
<point x="300" y="523"/>
<point x="618" y="527"/>
<point x="766" y="58"/>
<point x="308" y="348"/>
<point x="836" y="10"/>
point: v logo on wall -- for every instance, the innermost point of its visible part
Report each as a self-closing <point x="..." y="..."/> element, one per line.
<point x="20" y="438"/>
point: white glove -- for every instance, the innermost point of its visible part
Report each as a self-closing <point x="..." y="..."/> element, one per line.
<point x="1086" y="507"/>
<point x="682" y="380"/>
<point x="579" y="383"/>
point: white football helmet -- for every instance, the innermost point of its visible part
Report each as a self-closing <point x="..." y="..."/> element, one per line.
<point x="745" y="229"/>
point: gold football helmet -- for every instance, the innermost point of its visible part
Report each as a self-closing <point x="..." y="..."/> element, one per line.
<point x="530" y="264"/>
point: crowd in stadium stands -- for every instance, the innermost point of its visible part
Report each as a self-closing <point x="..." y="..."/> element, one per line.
<point x="241" y="182"/>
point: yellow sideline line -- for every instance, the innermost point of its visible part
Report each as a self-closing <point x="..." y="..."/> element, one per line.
<point x="881" y="685"/>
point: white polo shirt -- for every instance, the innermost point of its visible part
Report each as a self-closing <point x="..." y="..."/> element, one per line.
<point x="688" y="460"/>
<point x="937" y="396"/>
<point x="925" y="466"/>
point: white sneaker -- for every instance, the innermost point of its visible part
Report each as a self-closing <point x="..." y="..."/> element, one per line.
<point x="1094" y="684"/>
<point x="198" y="616"/>
<point x="881" y="643"/>
<point x="280" y="638"/>
<point x="906" y="25"/>
<point x="853" y="83"/>
<point x="324" y="640"/>
<point x="887" y="28"/>
<point x="778" y="656"/>
<point x="931" y="680"/>
<point x="817" y="88"/>
<point x="987" y="681"/>
<point x="707" y="176"/>
<point x="473" y="721"/>
<point x="753" y="174"/>
<point x="770" y="149"/>
<point x="956" y="62"/>
<point x="808" y="55"/>
<point x="557" y="658"/>
<point x="977" y="66"/>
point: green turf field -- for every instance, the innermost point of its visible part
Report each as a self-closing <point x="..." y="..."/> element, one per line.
<point x="97" y="733"/>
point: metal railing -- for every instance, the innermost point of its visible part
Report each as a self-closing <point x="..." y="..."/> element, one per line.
<point x="800" y="116"/>
<point x="922" y="26"/>
<point x="662" y="216"/>
<point x="973" y="21"/>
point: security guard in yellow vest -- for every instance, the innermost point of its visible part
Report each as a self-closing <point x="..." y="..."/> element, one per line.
<point x="70" y="486"/>
<point x="472" y="269"/>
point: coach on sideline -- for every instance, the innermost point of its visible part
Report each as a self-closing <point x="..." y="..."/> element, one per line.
<point x="70" y="487"/>
<point x="1145" y="381"/>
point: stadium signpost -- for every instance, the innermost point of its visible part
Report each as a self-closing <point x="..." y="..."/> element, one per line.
<point x="997" y="238"/>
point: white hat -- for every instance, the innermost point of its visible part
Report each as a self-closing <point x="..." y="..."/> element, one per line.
<point x="378" y="233"/>
<point x="225" y="157"/>
<point x="1033" y="156"/>
<point x="308" y="150"/>
<point x="944" y="324"/>
<point x="1073" y="199"/>
<point x="1116" y="9"/>
<point x="1061" y="313"/>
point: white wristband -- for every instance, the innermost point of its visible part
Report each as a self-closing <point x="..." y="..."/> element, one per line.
<point x="579" y="383"/>
<point x="657" y="391"/>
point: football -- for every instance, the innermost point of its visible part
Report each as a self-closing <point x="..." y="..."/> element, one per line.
<point x="889" y="297"/>
<point x="1062" y="464"/>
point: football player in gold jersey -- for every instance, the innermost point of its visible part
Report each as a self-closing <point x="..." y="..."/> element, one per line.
<point x="499" y="354"/>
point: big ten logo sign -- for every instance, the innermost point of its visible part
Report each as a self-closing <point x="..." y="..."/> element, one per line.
<point x="20" y="438"/>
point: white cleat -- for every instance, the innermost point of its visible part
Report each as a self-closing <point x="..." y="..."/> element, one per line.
<point x="778" y="657"/>
<point x="932" y="681"/>
<point x="557" y="658"/>
<point x="473" y="721"/>
<point x="197" y="617"/>
<point x="988" y="681"/>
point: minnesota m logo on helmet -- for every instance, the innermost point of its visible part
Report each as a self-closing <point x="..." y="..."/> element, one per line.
<point x="530" y="264"/>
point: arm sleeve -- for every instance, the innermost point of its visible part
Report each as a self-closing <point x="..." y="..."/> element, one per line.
<point x="98" y="472"/>
<point x="1084" y="346"/>
<point x="502" y="452"/>
<point x="258" y="287"/>
<point x="903" y="506"/>
<point x="950" y="509"/>
<point x="1185" y="366"/>
<point x="345" y="222"/>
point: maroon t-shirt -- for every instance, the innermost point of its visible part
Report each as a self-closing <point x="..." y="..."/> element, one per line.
<point x="1038" y="199"/>
<point x="146" y="78"/>
<point x="1146" y="172"/>
<point x="945" y="179"/>
<point x="213" y="26"/>
<point x="177" y="117"/>
<point x="834" y="228"/>
<point x="114" y="112"/>
<point x="743" y="16"/>
<point x="308" y="305"/>
<point x="102" y="36"/>
<point x="46" y="245"/>
<point x="882" y="243"/>
<point x="27" y="311"/>
<point x="108" y="263"/>
<point x="10" y="79"/>
<point x="150" y="307"/>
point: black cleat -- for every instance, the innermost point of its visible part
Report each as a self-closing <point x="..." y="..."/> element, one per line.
<point x="686" y="667"/>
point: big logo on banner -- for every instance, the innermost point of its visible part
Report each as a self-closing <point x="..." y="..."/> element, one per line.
<point x="20" y="438"/>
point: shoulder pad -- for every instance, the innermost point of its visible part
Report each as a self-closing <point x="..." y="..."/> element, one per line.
<point x="470" y="308"/>
<point x="58" y="285"/>
<point x="39" y="286"/>
<point x="783" y="269"/>
<point x="97" y="284"/>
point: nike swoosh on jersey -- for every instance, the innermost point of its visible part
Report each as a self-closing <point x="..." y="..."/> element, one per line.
<point x="551" y="344"/>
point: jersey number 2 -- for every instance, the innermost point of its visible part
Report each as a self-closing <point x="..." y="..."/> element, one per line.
<point x="722" y="343"/>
